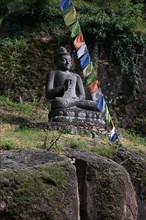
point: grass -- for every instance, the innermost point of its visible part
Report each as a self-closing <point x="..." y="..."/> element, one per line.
<point x="132" y="140"/>
<point x="76" y="144"/>
<point x="20" y="129"/>
<point x="107" y="151"/>
<point x="21" y="138"/>
<point x="25" y="108"/>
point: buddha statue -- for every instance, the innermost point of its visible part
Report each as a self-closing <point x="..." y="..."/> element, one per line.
<point x="65" y="89"/>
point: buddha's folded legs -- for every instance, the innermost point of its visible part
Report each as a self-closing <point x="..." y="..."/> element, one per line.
<point x="60" y="102"/>
<point x="88" y="105"/>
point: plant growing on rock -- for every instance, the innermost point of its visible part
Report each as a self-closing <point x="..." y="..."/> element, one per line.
<point x="120" y="26"/>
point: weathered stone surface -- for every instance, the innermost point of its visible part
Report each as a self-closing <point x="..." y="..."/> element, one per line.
<point x="76" y="116"/>
<point x="105" y="188"/>
<point x="118" y="90"/>
<point x="37" y="185"/>
<point x="135" y="163"/>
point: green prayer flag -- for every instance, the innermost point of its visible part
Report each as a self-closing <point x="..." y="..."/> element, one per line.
<point x="108" y="118"/>
<point x="91" y="78"/>
<point x="107" y="115"/>
<point x="75" y="29"/>
<point x="70" y="17"/>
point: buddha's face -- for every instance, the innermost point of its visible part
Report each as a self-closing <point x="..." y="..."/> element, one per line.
<point x="64" y="62"/>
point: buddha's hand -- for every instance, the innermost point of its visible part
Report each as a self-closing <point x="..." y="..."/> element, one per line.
<point x="82" y="97"/>
<point x="66" y="84"/>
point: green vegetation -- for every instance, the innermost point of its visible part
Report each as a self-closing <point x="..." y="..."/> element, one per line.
<point x="7" y="144"/>
<point x="107" y="151"/>
<point x="135" y="139"/>
<point x="21" y="65"/>
<point x="25" y="59"/>
<point x="20" y="129"/>
<point x="25" y="108"/>
<point x="22" y="138"/>
<point x="31" y="188"/>
<point x="76" y="144"/>
<point x="120" y="24"/>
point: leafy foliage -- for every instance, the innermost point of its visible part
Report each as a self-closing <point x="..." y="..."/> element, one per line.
<point x="11" y="64"/>
<point x="25" y="108"/>
<point x="117" y="25"/>
<point x="126" y="50"/>
<point x="100" y="20"/>
<point x="38" y="15"/>
<point x="115" y="22"/>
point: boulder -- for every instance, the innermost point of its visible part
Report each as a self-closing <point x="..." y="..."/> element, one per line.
<point x="37" y="185"/>
<point x="134" y="162"/>
<point x="105" y="189"/>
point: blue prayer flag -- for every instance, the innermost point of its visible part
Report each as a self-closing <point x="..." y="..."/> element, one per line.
<point x="113" y="136"/>
<point x="84" y="60"/>
<point x="101" y="104"/>
<point x="65" y="4"/>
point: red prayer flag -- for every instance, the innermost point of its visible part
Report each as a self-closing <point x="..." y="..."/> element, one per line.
<point x="79" y="40"/>
<point x="94" y="86"/>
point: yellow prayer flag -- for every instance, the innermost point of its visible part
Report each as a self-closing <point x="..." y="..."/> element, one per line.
<point x="88" y="69"/>
<point x="70" y="17"/>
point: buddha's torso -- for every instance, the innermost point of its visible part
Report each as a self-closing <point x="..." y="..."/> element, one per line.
<point x="61" y="77"/>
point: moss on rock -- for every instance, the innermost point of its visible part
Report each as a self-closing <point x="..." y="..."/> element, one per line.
<point x="134" y="162"/>
<point x="106" y="191"/>
<point x="39" y="192"/>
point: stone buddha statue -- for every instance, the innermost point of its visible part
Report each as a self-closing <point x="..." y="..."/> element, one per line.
<point x="66" y="92"/>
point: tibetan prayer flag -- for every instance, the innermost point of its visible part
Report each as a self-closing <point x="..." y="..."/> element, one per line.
<point x="82" y="50"/>
<point x="107" y="115"/>
<point x="84" y="60"/>
<point x="70" y="17"/>
<point x="113" y="136"/>
<point x="71" y="21"/>
<point x="108" y="118"/>
<point x="65" y="4"/>
<point x="79" y="40"/>
<point x="101" y="104"/>
<point x="91" y="78"/>
<point x="97" y="95"/>
<point x="75" y="29"/>
<point x="94" y="86"/>
<point x="88" y="69"/>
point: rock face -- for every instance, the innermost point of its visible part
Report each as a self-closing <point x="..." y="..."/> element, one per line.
<point x="117" y="89"/>
<point x="38" y="185"/>
<point x="105" y="189"/>
<point x="135" y="163"/>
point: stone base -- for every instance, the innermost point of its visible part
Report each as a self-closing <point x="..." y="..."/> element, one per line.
<point x="76" y="116"/>
<point x="90" y="130"/>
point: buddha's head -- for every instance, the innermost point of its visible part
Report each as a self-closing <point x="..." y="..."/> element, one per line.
<point x="63" y="59"/>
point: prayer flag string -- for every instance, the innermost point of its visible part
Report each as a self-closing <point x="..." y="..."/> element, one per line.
<point x="71" y="21"/>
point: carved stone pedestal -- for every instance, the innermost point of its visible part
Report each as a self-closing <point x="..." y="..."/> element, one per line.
<point x="76" y="116"/>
